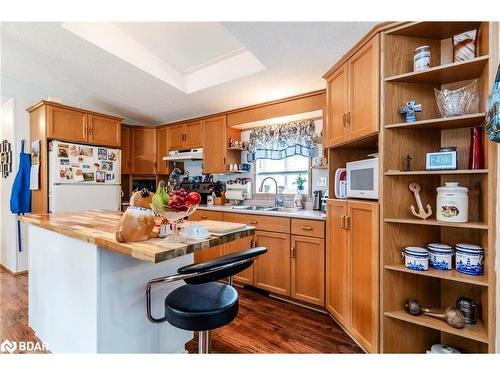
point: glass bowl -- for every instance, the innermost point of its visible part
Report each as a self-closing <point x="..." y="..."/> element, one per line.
<point x="174" y="218"/>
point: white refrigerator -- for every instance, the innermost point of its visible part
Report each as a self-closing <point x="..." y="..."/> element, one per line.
<point x="83" y="177"/>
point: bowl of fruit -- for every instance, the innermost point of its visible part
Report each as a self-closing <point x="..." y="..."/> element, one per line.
<point x="174" y="205"/>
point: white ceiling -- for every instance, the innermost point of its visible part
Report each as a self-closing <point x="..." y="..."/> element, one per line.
<point x="295" y="56"/>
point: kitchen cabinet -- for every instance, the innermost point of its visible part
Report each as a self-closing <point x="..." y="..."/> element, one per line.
<point x="352" y="96"/>
<point x="143" y="146"/>
<point x="162" y="150"/>
<point x="215" y="145"/>
<point x="125" y="142"/>
<point x="308" y="269"/>
<point x="352" y="268"/>
<point x="205" y="215"/>
<point x="185" y="136"/>
<point x="104" y="131"/>
<point x="207" y="254"/>
<point x="246" y="276"/>
<point x="66" y="125"/>
<point x="272" y="269"/>
<point x="73" y="125"/>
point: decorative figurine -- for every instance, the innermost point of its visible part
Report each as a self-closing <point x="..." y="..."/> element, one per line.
<point x="407" y="163"/>
<point x="410" y="109"/>
<point x="415" y="189"/>
<point x="138" y="221"/>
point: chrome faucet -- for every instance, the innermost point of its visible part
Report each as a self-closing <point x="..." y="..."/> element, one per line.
<point x="278" y="201"/>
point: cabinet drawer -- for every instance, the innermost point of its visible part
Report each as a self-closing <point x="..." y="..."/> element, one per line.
<point x="206" y="215"/>
<point x="260" y="222"/>
<point x="310" y="228"/>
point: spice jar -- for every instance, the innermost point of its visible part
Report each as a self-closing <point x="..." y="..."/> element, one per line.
<point x="421" y="58"/>
<point x="452" y="203"/>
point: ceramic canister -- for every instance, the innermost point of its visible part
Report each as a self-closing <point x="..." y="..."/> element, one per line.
<point x="452" y="203"/>
<point x="440" y="256"/>
<point x="421" y="58"/>
<point x="415" y="258"/>
<point x="469" y="259"/>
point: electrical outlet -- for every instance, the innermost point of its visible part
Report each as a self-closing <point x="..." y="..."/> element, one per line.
<point x="322" y="181"/>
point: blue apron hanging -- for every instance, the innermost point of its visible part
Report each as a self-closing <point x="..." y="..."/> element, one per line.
<point x="20" y="198"/>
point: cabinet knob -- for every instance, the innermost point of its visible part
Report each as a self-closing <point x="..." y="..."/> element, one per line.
<point x="252" y="221"/>
<point x="292" y="252"/>
<point x="204" y="217"/>
<point x="306" y="227"/>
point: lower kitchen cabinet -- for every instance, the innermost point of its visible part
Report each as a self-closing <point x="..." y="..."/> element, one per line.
<point x="308" y="269"/>
<point x="207" y="254"/>
<point x="352" y="268"/>
<point x="272" y="270"/>
<point x="246" y="276"/>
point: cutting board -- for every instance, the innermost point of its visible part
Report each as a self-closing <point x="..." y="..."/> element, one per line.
<point x="222" y="227"/>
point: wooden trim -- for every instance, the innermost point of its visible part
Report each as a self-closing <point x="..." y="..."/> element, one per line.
<point x="13" y="273"/>
<point x="54" y="104"/>
<point x="375" y="29"/>
<point x="249" y="108"/>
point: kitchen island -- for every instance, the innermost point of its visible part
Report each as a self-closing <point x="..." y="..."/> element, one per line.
<point x="86" y="290"/>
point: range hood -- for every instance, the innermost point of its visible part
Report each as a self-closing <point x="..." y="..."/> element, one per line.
<point x="192" y="154"/>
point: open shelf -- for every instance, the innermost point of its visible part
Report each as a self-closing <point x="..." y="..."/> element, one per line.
<point x="418" y="173"/>
<point x="475" y="332"/>
<point x="456" y="122"/>
<point x="452" y="275"/>
<point x="434" y="222"/>
<point x="442" y="74"/>
<point x="434" y="30"/>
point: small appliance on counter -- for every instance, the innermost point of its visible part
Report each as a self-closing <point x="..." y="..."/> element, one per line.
<point x="340" y="183"/>
<point x="324" y="198"/>
<point x="362" y="178"/>
<point x="317" y="200"/>
<point x="238" y="190"/>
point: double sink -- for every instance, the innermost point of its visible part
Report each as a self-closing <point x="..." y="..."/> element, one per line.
<point x="262" y="208"/>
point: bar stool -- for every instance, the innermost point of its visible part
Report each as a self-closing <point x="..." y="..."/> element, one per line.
<point x="203" y="304"/>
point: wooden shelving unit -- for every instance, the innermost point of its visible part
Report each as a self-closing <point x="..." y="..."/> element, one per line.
<point x="434" y="288"/>
<point x="456" y="122"/>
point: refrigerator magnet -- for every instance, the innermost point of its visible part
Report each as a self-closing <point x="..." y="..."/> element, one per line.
<point x="100" y="176"/>
<point x="102" y="154"/>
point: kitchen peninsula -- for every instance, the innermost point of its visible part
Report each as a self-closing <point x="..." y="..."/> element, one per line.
<point x="86" y="290"/>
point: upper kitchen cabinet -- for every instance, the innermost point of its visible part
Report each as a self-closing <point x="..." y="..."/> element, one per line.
<point x="77" y="125"/>
<point x="126" y="139"/>
<point x="215" y="145"/>
<point x="185" y="136"/>
<point x="352" y="93"/>
<point x="104" y="131"/>
<point x="143" y="146"/>
<point x="162" y="138"/>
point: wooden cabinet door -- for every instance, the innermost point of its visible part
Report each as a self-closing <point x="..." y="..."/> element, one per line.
<point x="214" y="145"/>
<point x="272" y="270"/>
<point x="308" y="269"/>
<point x="193" y="135"/>
<point x="363" y="244"/>
<point x="336" y="131"/>
<point x="104" y="131"/>
<point x="125" y="163"/>
<point x="246" y="276"/>
<point x="175" y="136"/>
<point x="207" y="254"/>
<point x="162" y="150"/>
<point x="66" y="125"/>
<point x="205" y="215"/>
<point x="143" y="151"/>
<point x="337" y="262"/>
<point x="363" y="118"/>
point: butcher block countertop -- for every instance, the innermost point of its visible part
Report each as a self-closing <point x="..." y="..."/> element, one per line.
<point x="98" y="227"/>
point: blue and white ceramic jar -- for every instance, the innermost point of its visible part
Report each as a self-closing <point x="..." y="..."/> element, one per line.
<point x="469" y="259"/>
<point x="440" y="256"/>
<point x="415" y="258"/>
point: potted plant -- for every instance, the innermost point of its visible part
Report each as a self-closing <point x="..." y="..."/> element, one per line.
<point x="299" y="181"/>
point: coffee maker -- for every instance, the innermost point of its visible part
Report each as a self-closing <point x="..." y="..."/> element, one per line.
<point x="316" y="198"/>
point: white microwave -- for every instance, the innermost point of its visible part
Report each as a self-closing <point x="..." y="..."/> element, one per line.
<point x="362" y="179"/>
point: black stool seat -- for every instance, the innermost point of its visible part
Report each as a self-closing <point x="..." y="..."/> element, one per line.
<point x="202" y="307"/>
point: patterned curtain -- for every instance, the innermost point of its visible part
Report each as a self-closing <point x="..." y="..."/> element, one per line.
<point x="280" y="141"/>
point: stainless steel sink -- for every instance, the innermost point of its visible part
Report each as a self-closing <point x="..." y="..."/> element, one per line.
<point x="261" y="208"/>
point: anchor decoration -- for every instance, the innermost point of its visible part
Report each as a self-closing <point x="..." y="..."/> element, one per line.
<point x="415" y="189"/>
<point x="410" y="110"/>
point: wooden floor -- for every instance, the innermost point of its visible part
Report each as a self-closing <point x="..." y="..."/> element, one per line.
<point x="263" y="325"/>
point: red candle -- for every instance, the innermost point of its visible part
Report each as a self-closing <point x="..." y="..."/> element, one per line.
<point x="476" y="153"/>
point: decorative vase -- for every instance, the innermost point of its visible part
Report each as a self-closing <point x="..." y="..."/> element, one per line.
<point x="476" y="153"/>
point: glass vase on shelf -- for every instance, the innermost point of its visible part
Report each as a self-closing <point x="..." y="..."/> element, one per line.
<point x="476" y="153"/>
